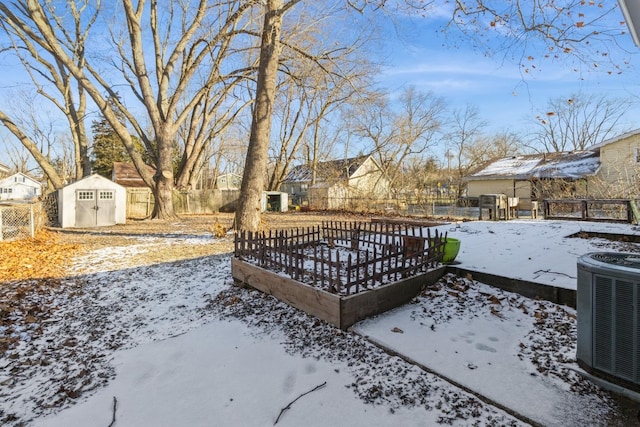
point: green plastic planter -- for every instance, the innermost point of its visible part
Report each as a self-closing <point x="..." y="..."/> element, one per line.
<point x="451" y="249"/>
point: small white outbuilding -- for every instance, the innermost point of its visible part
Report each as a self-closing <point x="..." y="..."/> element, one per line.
<point x="93" y="201"/>
<point x="275" y="201"/>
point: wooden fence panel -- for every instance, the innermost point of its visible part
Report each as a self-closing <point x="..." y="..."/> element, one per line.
<point x="604" y="210"/>
<point x="383" y="253"/>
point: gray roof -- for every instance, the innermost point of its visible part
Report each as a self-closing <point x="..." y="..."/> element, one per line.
<point x="568" y="165"/>
<point x="336" y="169"/>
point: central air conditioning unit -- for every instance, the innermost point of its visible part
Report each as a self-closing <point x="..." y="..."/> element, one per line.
<point x="608" y="305"/>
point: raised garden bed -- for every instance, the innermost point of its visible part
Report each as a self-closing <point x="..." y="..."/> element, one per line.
<point x="340" y="272"/>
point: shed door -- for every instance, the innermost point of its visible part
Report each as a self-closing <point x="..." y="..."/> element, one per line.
<point x="95" y="208"/>
<point x="106" y="207"/>
<point x="86" y="208"/>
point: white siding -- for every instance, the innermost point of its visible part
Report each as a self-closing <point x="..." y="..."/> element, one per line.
<point x="67" y="199"/>
<point x="492" y="186"/>
<point x="19" y="187"/>
<point x="620" y="165"/>
<point x="369" y="179"/>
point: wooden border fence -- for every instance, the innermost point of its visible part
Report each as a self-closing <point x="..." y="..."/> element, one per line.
<point x="344" y="257"/>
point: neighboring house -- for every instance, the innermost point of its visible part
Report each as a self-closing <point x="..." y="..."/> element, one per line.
<point x="229" y="181"/>
<point x="338" y="184"/>
<point x="609" y="170"/>
<point x="4" y="170"/>
<point x="127" y="175"/>
<point x="536" y="176"/>
<point x="19" y="187"/>
<point x="620" y="165"/>
<point x="139" y="197"/>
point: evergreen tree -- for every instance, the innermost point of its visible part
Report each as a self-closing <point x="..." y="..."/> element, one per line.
<point x="107" y="146"/>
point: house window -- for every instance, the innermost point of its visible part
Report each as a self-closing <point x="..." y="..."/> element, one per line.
<point x="636" y="154"/>
<point x="105" y="195"/>
<point x="85" y="195"/>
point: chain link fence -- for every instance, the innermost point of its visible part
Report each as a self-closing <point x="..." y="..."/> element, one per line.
<point x="18" y="221"/>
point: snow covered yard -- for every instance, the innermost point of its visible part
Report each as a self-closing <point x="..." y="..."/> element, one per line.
<point x="518" y="352"/>
<point x="175" y="343"/>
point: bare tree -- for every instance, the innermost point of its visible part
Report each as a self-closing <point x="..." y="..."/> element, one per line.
<point x="56" y="176"/>
<point x="292" y="109"/>
<point x="371" y="120"/>
<point x="64" y="160"/>
<point x="535" y="31"/>
<point x="578" y="121"/>
<point x="397" y="136"/>
<point x="488" y="148"/>
<point x="248" y="213"/>
<point x="170" y="56"/>
<point x="53" y="82"/>
<point x="466" y="126"/>
<point x="418" y="176"/>
<point x="417" y="123"/>
<point x="309" y="105"/>
<point x="18" y="158"/>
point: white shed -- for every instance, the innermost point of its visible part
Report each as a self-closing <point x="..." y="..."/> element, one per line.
<point x="275" y="201"/>
<point x="93" y="201"/>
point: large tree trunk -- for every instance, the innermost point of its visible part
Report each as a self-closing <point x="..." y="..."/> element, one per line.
<point x="163" y="178"/>
<point x="163" y="208"/>
<point x="253" y="180"/>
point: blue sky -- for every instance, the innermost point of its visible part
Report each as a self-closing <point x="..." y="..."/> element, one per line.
<point x="417" y="54"/>
<point x="507" y="98"/>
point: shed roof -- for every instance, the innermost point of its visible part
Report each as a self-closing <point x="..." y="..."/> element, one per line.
<point x="92" y="181"/>
<point x="568" y="165"/>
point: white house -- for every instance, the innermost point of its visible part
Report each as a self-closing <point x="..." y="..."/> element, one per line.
<point x="229" y="181"/>
<point x="19" y="187"/>
<point x="339" y="183"/>
<point x="93" y="201"/>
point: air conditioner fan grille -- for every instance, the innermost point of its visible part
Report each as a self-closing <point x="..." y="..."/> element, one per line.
<point x="626" y="260"/>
